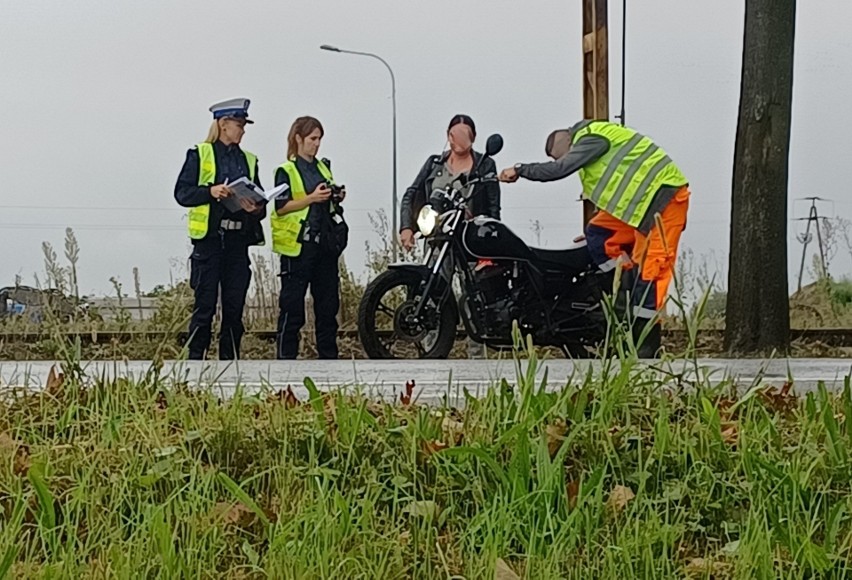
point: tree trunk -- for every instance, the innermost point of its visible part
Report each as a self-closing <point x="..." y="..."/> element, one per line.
<point x="758" y="307"/>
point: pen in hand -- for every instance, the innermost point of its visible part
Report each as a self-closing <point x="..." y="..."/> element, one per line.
<point x="220" y="191"/>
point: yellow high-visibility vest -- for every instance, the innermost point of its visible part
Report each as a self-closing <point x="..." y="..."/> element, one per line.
<point x="199" y="216"/>
<point x="623" y="182"/>
<point x="286" y="228"/>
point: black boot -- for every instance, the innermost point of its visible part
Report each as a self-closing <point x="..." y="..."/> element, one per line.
<point x="650" y="346"/>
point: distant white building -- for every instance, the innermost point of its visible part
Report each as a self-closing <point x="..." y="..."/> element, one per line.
<point x="138" y="308"/>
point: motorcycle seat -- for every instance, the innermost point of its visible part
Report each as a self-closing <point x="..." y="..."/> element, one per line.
<point x="572" y="260"/>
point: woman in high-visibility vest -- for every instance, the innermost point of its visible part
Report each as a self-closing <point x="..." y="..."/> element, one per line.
<point x="309" y="233"/>
<point x="221" y="231"/>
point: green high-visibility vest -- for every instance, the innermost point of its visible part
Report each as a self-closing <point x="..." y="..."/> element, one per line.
<point x="199" y="216"/>
<point x="623" y="182"/>
<point x="287" y="228"/>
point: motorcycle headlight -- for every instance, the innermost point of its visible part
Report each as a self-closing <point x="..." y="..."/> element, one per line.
<point x="427" y="219"/>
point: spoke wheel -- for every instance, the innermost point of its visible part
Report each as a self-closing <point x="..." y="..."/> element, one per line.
<point x="388" y="327"/>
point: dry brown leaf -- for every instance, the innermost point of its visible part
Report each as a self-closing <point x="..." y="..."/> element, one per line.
<point x="18" y="450"/>
<point x="620" y="497"/>
<point x="700" y="567"/>
<point x="725" y="406"/>
<point x="8" y="444"/>
<point x="783" y="401"/>
<point x="453" y="430"/>
<point x="573" y="489"/>
<point x="696" y="566"/>
<point x="404" y="538"/>
<point x="54" y="381"/>
<point x="242" y="574"/>
<point x="405" y="397"/>
<point x="725" y="403"/>
<point x="502" y="571"/>
<point x="555" y="434"/>
<point x="161" y="403"/>
<point x="272" y="508"/>
<point x="286" y="397"/>
<point x="330" y="409"/>
<point x="730" y="432"/>
<point x="426" y="509"/>
<point x="432" y="447"/>
<point x="233" y="514"/>
<point x="375" y="409"/>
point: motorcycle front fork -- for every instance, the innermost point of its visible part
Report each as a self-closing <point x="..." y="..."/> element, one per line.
<point x="441" y="269"/>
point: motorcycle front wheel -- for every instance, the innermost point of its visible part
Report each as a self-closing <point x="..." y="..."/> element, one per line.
<point x="385" y="319"/>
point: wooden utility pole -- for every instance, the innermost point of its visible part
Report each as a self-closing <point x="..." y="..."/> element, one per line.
<point x="595" y="70"/>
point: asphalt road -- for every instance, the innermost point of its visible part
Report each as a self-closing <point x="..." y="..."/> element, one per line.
<point x="433" y="379"/>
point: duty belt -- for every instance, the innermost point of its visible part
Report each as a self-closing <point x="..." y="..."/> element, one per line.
<point x="230" y="225"/>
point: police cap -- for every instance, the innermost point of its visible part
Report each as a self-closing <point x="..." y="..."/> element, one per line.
<point x="235" y="108"/>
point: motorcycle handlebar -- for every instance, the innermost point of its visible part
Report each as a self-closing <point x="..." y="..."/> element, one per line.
<point x="490" y="178"/>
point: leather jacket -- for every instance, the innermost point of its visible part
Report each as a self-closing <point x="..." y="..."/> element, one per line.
<point x="486" y="200"/>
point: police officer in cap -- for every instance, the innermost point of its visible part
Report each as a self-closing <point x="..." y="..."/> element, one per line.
<point x="221" y="229"/>
<point x="309" y="232"/>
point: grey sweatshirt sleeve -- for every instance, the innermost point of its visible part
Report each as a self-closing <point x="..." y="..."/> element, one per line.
<point x="586" y="150"/>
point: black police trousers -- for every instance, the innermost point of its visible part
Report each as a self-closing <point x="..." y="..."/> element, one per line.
<point x="223" y="261"/>
<point x="318" y="269"/>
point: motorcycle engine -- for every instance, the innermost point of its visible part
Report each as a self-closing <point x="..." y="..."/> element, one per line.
<point x="496" y="282"/>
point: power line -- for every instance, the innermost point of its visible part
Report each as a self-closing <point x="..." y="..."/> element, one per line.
<point x="89" y="208"/>
<point x="120" y="208"/>
<point x="102" y="227"/>
<point x="113" y="228"/>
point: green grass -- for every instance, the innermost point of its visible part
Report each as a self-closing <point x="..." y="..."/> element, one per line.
<point x="617" y="475"/>
<point x="841" y="292"/>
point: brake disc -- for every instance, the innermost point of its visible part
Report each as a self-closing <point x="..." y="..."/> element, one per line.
<point x="406" y="326"/>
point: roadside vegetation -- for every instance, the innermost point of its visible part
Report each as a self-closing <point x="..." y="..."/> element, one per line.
<point x="623" y="473"/>
<point x="826" y="303"/>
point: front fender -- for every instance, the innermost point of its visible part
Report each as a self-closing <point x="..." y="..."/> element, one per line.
<point x="424" y="271"/>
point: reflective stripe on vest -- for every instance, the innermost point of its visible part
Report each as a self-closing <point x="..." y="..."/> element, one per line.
<point x="199" y="216"/>
<point x="286" y="228"/>
<point x="624" y="181"/>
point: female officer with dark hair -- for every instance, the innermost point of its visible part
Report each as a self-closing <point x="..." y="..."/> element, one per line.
<point x="441" y="170"/>
<point x="220" y="236"/>
<point x="309" y="232"/>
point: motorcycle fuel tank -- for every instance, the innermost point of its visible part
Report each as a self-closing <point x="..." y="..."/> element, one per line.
<point x="485" y="237"/>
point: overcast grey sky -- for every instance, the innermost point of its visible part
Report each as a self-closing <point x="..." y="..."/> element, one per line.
<point x="99" y="100"/>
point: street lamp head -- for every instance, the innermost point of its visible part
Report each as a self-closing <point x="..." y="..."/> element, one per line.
<point x="329" y="47"/>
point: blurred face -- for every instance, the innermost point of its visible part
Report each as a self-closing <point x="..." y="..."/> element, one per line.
<point x="231" y="130"/>
<point x="309" y="146"/>
<point x="460" y="138"/>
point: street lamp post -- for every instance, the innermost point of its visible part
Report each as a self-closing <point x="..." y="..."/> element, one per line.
<point x="393" y="99"/>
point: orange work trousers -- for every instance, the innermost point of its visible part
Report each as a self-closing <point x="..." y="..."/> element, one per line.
<point x="609" y="238"/>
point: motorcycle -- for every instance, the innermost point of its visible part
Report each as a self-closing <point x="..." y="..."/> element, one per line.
<point x="479" y="271"/>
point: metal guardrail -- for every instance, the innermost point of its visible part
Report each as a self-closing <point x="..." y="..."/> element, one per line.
<point x="834" y="337"/>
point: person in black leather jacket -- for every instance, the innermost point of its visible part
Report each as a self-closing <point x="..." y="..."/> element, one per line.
<point x="441" y="170"/>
